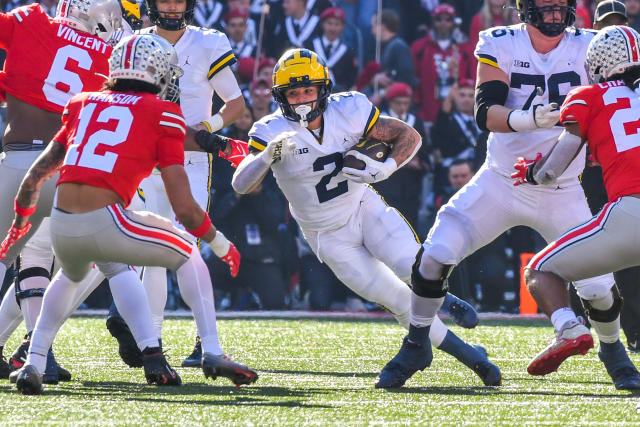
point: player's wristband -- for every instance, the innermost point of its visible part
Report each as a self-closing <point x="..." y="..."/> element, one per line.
<point x="519" y="120"/>
<point x="22" y="211"/>
<point x="202" y="228"/>
<point x="220" y="244"/>
<point x="214" y="123"/>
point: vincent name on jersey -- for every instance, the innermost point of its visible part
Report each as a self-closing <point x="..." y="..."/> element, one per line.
<point x="90" y="42"/>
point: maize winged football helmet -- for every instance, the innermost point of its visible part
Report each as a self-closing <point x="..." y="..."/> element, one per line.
<point x="177" y="21"/>
<point x="301" y="68"/>
<point x="131" y="13"/>
<point x="612" y="51"/>
<point x="145" y="57"/>
<point x="534" y="15"/>
<point x="98" y="17"/>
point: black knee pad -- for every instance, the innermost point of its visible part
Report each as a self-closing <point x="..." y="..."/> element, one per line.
<point x="428" y="288"/>
<point x="25" y="274"/>
<point x="604" y="315"/>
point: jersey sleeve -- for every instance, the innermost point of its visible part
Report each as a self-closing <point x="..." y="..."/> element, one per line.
<point x="575" y="108"/>
<point x="221" y="54"/>
<point x="261" y="133"/>
<point x="491" y="48"/>
<point x="9" y="21"/>
<point x="359" y="112"/>
<point x="173" y="129"/>
<point x="62" y="136"/>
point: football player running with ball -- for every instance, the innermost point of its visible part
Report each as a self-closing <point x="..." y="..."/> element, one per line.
<point x="88" y="222"/>
<point x="367" y="244"/>
<point x="598" y="115"/>
<point x="524" y="74"/>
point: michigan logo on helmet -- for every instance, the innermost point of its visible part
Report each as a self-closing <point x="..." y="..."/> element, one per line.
<point x="301" y="68"/>
<point x="551" y="19"/>
<point x="147" y="58"/>
<point x="131" y="13"/>
<point x="611" y="52"/>
<point x="173" y="21"/>
<point x="101" y="18"/>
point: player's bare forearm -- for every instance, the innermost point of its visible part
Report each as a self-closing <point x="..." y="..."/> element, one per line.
<point x="405" y="139"/>
<point x="250" y="173"/>
<point x="45" y="166"/>
<point x="232" y="110"/>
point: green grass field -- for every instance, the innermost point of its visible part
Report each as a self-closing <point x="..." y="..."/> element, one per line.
<point x="320" y="373"/>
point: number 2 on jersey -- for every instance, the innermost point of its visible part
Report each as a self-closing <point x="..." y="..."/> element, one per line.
<point x="88" y="157"/>
<point x="322" y="190"/>
<point x="623" y="139"/>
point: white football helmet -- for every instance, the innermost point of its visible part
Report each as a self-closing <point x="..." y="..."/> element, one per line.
<point x="612" y="51"/>
<point x="97" y="17"/>
<point x="148" y="58"/>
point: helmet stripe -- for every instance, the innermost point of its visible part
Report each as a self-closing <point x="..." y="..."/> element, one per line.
<point x="633" y="46"/>
<point x="129" y="53"/>
<point x="64" y="8"/>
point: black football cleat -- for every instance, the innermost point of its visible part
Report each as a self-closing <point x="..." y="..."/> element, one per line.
<point x="157" y="369"/>
<point x="215" y="366"/>
<point x="127" y="347"/>
<point x="5" y="369"/>
<point x="19" y="356"/>
<point x="195" y="358"/>
<point x="460" y="311"/>
<point x="410" y="359"/>
<point x="620" y="368"/>
<point x="28" y="380"/>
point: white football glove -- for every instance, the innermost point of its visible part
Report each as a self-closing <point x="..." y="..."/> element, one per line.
<point x="538" y="116"/>
<point x="280" y="146"/>
<point x="374" y="170"/>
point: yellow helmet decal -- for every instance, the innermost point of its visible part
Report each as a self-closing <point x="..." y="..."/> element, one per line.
<point x="131" y="7"/>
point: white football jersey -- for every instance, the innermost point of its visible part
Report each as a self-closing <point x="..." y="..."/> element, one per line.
<point x="320" y="197"/>
<point x="555" y="73"/>
<point x="202" y="53"/>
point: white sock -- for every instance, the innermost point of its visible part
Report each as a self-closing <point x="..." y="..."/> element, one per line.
<point x="55" y="306"/>
<point x="131" y="301"/>
<point x="154" y="280"/>
<point x="31" y="306"/>
<point x="84" y="288"/>
<point x="437" y="332"/>
<point x="196" y="290"/>
<point x="424" y="310"/>
<point x="10" y="316"/>
<point x="608" y="332"/>
<point x="562" y="316"/>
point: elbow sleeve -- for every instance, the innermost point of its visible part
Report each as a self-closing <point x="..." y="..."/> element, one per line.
<point x="493" y="92"/>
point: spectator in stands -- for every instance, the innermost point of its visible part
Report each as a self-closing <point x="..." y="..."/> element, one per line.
<point x="252" y="220"/>
<point x="298" y="25"/>
<point x="441" y="59"/>
<point x="396" y="64"/>
<point x="358" y="19"/>
<point x="261" y="100"/>
<point x="492" y="14"/>
<point x="401" y="188"/>
<point x="633" y="13"/>
<point x="240" y="128"/>
<point x="455" y="134"/>
<point x="337" y="55"/>
<point x="236" y="29"/>
<point x="208" y="14"/>
<point x="253" y="21"/>
<point x="265" y="69"/>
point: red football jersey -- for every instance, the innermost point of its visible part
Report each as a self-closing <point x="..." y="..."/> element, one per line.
<point x="609" y="117"/>
<point x="48" y="62"/>
<point x="114" y="139"/>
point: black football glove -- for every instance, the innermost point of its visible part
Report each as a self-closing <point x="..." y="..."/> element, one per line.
<point x="211" y="142"/>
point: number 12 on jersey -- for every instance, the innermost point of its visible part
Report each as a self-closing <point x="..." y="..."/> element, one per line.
<point x="88" y="157"/>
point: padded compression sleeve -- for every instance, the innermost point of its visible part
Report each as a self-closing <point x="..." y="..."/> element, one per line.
<point x="493" y="92"/>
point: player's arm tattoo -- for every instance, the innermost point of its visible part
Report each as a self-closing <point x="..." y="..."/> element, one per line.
<point x="45" y="166"/>
<point x="405" y="139"/>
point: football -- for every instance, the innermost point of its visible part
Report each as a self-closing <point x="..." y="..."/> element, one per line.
<point x="373" y="148"/>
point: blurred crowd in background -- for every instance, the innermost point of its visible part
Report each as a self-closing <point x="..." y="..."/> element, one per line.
<point x="412" y="58"/>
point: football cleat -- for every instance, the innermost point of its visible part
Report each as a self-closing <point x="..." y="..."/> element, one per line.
<point x="215" y="366"/>
<point x="156" y="368"/>
<point x="460" y="311"/>
<point x="620" y="368"/>
<point x="488" y="372"/>
<point x="573" y="338"/>
<point x="410" y="359"/>
<point x="5" y="369"/>
<point x="127" y="347"/>
<point x="633" y="344"/>
<point x="29" y="380"/>
<point x="195" y="358"/>
<point x="19" y="356"/>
